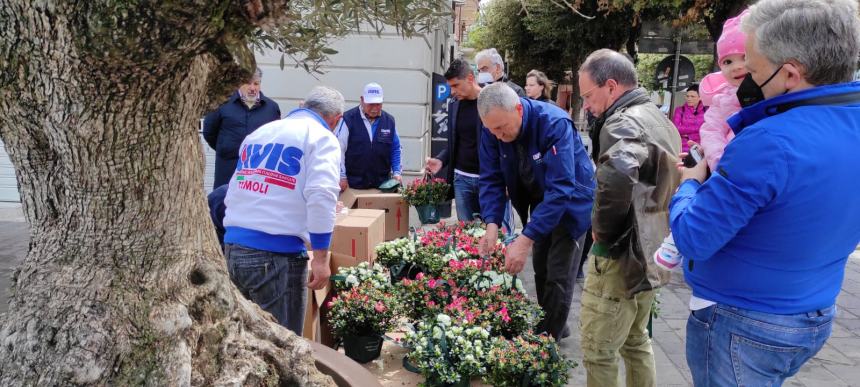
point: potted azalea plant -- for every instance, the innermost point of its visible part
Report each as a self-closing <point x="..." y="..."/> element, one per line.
<point x="399" y="256"/>
<point x="526" y="360"/>
<point x="447" y="352"/>
<point x="351" y="276"/>
<point x="360" y="316"/>
<point x="426" y="195"/>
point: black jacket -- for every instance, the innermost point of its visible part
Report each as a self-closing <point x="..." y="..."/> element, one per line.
<point x="448" y="156"/>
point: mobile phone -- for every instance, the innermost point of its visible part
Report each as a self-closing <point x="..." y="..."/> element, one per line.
<point x="694" y="156"/>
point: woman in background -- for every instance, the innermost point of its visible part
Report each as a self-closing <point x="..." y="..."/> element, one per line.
<point x="538" y="86"/>
<point x="689" y="117"/>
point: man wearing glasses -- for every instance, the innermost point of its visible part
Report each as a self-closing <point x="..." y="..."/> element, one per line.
<point x="636" y="152"/>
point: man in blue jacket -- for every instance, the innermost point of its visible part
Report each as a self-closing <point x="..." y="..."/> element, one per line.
<point x="531" y="149"/>
<point x="767" y="236"/>
<point x="369" y="142"/>
<point x="225" y="128"/>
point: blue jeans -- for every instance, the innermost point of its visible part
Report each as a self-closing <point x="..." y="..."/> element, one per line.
<point x="728" y="346"/>
<point x="466" y="194"/>
<point x="277" y="282"/>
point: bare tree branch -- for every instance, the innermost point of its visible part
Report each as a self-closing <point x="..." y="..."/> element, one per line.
<point x="571" y="7"/>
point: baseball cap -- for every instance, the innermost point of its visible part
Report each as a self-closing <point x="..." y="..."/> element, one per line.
<point x="372" y="93"/>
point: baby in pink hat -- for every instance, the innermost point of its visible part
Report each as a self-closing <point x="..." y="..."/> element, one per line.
<point x="717" y="91"/>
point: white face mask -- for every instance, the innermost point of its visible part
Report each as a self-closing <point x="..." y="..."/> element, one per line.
<point x="484" y="78"/>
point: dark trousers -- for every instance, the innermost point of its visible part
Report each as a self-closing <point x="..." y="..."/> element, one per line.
<point x="224" y="169"/>
<point x="585" y="251"/>
<point x="277" y="282"/>
<point x="556" y="262"/>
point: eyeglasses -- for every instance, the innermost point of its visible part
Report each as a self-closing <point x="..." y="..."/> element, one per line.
<point x="585" y="95"/>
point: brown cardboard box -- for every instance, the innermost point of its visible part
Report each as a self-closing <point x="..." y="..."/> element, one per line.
<point x="368" y="213"/>
<point x="396" y="212"/>
<point x="350" y="196"/>
<point x="311" y="330"/>
<point x="357" y="236"/>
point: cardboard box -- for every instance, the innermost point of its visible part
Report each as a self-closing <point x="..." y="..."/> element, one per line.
<point x="357" y="236"/>
<point x="396" y="212"/>
<point x="350" y="196"/>
<point x="316" y="298"/>
<point x="311" y="330"/>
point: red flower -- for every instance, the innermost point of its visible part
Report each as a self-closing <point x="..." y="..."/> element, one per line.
<point x="379" y="307"/>
<point x="504" y="313"/>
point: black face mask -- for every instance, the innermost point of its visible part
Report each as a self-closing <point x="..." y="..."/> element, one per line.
<point x="749" y="93"/>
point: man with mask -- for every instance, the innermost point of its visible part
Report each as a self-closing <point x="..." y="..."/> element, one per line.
<point x="225" y="128"/>
<point x="530" y="150"/>
<point x="283" y="196"/>
<point x="636" y="152"/>
<point x="369" y="142"/>
<point x="767" y="236"/>
<point x="491" y="68"/>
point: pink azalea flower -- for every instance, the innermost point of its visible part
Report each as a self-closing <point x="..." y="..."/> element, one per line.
<point x="431" y="283"/>
<point x="419" y="276"/>
<point x="379" y="307"/>
<point x="504" y="313"/>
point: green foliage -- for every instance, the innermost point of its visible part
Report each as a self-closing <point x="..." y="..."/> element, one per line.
<point x="446" y="351"/>
<point x="530" y="359"/>
<point x="313" y="24"/>
<point x="648" y="64"/>
<point x="420" y="192"/>
<point x="556" y="35"/>
<point x="364" y="310"/>
<point x="547" y="37"/>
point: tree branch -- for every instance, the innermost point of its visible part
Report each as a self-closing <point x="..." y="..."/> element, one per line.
<point x="572" y="8"/>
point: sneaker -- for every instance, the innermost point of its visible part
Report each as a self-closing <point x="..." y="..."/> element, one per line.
<point x="667" y="256"/>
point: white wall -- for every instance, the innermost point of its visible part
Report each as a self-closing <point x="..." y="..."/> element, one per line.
<point x="403" y="67"/>
<point x="8" y="184"/>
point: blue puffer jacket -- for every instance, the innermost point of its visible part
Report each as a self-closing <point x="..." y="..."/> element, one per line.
<point x="772" y="228"/>
<point x="562" y="171"/>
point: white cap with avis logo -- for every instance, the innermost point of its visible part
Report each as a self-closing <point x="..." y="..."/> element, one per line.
<point x="372" y="93"/>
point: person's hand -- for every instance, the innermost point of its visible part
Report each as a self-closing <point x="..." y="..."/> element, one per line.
<point x="320" y="270"/>
<point x="343" y="185"/>
<point x="338" y="208"/>
<point x="433" y="165"/>
<point x="699" y="172"/>
<point x="398" y="178"/>
<point x="488" y="242"/>
<point x="515" y="255"/>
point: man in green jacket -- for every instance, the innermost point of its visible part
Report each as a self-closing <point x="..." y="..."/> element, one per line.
<point x="636" y="177"/>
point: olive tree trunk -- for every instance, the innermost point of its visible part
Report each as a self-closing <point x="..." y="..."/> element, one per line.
<point x="124" y="283"/>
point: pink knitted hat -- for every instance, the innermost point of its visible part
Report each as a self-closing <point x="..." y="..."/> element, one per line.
<point x="732" y="39"/>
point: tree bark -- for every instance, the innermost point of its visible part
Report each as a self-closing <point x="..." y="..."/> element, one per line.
<point x="124" y="283"/>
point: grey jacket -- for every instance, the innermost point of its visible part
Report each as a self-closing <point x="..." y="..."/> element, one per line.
<point x="636" y="177"/>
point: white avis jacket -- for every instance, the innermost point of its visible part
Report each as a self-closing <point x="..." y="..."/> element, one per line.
<point x="284" y="190"/>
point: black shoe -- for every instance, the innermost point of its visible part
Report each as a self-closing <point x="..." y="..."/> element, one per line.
<point x="566" y="332"/>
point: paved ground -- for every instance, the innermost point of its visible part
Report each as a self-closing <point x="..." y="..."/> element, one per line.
<point x="835" y="365"/>
<point x="838" y="363"/>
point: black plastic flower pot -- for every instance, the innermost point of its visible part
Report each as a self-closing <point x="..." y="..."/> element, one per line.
<point x="444" y="209"/>
<point x="428" y="213"/>
<point x="404" y="270"/>
<point x="362" y="349"/>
